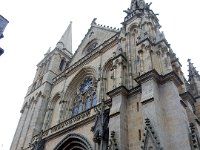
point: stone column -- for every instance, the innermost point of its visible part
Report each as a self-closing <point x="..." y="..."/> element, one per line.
<point x="151" y="107"/>
<point x="47" y="119"/>
<point x="118" y="117"/>
<point x="176" y="125"/>
<point x="62" y="114"/>
<point x="19" y="128"/>
<point x="26" y="126"/>
<point x="161" y="105"/>
<point x="37" y="119"/>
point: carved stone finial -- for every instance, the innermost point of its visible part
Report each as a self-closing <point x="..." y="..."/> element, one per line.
<point x="94" y="21"/>
<point x="100" y="128"/>
<point x="39" y="143"/>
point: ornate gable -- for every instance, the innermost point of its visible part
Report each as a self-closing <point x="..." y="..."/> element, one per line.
<point x="96" y="35"/>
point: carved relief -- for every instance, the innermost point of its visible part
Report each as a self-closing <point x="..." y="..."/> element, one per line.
<point x="194" y="139"/>
<point x="151" y="141"/>
<point x="100" y="128"/>
<point x="74" y="141"/>
<point x="113" y="142"/>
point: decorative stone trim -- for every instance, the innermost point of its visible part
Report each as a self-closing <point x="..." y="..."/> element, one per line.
<point x="194" y="139"/>
<point x="119" y="90"/>
<point x="147" y="101"/>
<point x="83" y="141"/>
<point x="113" y="142"/>
<point x="183" y="103"/>
<point x="187" y="96"/>
<point x="135" y="90"/>
<point x="153" y="75"/>
<point x="66" y="125"/>
<point x="173" y="77"/>
<point x="122" y="55"/>
<point x="84" y="59"/>
<point x="71" y="123"/>
<point x="150" y="133"/>
<point x="38" y="145"/>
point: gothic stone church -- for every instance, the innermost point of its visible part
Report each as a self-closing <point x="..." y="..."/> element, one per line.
<point x="121" y="90"/>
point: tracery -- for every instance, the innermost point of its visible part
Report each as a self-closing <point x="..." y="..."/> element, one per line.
<point x="85" y="97"/>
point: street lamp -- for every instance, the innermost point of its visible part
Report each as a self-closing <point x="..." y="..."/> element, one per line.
<point x="3" y="24"/>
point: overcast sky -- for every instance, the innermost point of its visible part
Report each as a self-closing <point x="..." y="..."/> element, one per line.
<point x="36" y="25"/>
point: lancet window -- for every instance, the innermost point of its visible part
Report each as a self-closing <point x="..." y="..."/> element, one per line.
<point x="85" y="97"/>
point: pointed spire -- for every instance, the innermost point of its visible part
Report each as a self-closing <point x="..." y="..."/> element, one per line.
<point x="93" y="22"/>
<point x="66" y="40"/>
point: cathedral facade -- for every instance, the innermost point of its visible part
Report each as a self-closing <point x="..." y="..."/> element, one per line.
<point x="123" y="89"/>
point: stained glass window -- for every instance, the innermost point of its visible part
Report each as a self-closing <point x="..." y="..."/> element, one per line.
<point x="85" y="97"/>
<point x="87" y="103"/>
<point x="85" y="85"/>
<point x="94" y="99"/>
<point x="80" y="107"/>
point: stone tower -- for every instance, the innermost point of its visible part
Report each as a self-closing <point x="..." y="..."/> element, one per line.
<point x="36" y="100"/>
<point x="122" y="89"/>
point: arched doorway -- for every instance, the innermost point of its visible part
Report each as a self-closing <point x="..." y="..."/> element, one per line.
<point x="74" y="142"/>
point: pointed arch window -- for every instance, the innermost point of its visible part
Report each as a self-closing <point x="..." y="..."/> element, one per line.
<point x="87" y="103"/>
<point x="86" y="96"/>
<point x="90" y="46"/>
<point x="94" y="99"/>
<point x="62" y="64"/>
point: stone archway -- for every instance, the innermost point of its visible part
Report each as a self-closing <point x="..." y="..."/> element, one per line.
<point x="74" y="142"/>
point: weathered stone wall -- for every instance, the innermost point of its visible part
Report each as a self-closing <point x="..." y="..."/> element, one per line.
<point x="135" y="121"/>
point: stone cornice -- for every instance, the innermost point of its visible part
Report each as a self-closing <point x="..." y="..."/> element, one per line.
<point x="122" y="55"/>
<point x="70" y="124"/>
<point x="147" y="101"/>
<point x="135" y="90"/>
<point x="146" y="39"/>
<point x="119" y="90"/>
<point x="153" y="75"/>
<point x="125" y="91"/>
<point x="187" y="96"/>
<point x="173" y="77"/>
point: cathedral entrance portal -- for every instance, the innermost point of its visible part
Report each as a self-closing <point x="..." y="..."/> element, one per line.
<point x="74" y="142"/>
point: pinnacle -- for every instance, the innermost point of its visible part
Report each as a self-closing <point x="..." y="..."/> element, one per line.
<point x="139" y="7"/>
<point x="66" y="40"/>
<point x="192" y="70"/>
